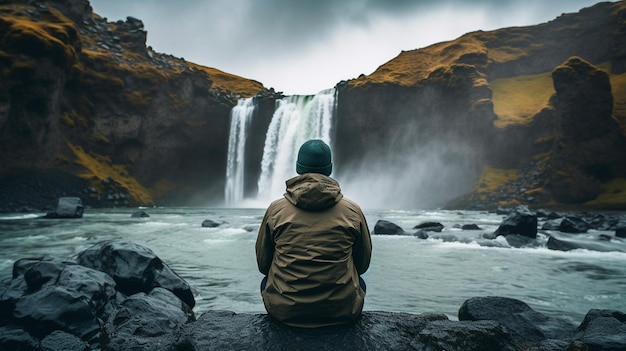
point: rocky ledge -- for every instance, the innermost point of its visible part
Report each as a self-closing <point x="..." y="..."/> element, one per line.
<point x="118" y="295"/>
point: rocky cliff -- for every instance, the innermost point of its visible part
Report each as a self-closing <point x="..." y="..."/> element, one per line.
<point x="86" y="107"/>
<point x="527" y="115"/>
<point x="532" y="115"/>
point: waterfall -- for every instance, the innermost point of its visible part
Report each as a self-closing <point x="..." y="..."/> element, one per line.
<point x="240" y="117"/>
<point x="296" y="119"/>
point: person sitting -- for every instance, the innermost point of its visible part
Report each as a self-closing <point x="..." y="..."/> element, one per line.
<point x="312" y="247"/>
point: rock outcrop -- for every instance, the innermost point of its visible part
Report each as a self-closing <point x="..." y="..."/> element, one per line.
<point x="526" y="115"/>
<point x="85" y="97"/>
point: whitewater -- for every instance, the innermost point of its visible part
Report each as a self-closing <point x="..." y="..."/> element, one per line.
<point x="407" y="274"/>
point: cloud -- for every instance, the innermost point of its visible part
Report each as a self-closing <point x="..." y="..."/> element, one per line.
<point x="305" y="46"/>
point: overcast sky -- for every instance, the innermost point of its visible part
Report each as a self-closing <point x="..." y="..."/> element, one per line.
<point x="305" y="46"/>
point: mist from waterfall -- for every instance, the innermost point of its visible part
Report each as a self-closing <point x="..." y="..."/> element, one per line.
<point x="296" y="119"/>
<point x="240" y="117"/>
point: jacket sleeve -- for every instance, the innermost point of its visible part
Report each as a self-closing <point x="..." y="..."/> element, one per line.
<point x="264" y="246"/>
<point x="362" y="249"/>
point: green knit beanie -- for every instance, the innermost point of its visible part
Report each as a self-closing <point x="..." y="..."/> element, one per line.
<point x="314" y="157"/>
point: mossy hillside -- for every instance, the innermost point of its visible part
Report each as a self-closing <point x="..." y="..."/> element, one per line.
<point x="614" y="195"/>
<point x="490" y="182"/>
<point x="517" y="100"/>
<point x="99" y="168"/>
<point x="53" y="36"/>
<point x="105" y="69"/>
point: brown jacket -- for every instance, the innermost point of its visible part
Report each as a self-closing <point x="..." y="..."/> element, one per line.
<point x="313" y="244"/>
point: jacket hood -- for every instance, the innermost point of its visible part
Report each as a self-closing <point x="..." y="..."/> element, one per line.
<point x="313" y="191"/>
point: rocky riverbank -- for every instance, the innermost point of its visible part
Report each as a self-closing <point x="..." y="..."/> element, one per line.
<point x="118" y="295"/>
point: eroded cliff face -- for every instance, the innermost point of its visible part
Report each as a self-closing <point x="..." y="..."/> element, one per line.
<point x="531" y="115"/>
<point x="87" y="97"/>
<point x="527" y="115"/>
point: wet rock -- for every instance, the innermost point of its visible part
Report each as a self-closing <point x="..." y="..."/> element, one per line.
<point x="520" y="221"/>
<point x="573" y="225"/>
<point x="374" y="331"/>
<point x="134" y="268"/>
<point x="430" y="226"/>
<point x="421" y="234"/>
<point x="140" y="214"/>
<point x="14" y="337"/>
<point x="517" y="316"/>
<point x="603" y="330"/>
<point x="62" y="341"/>
<point x="383" y="227"/>
<point x="480" y="335"/>
<point x="470" y="227"/>
<point x="143" y="316"/>
<point x="620" y="231"/>
<point x="67" y="207"/>
<point x="209" y="223"/>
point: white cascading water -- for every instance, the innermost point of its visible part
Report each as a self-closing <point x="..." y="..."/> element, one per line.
<point x="296" y="119"/>
<point x="240" y="117"/>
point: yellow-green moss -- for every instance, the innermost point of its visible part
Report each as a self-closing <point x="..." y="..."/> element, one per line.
<point x="67" y="120"/>
<point x="137" y="99"/>
<point x="614" y="195"/>
<point x="226" y="82"/>
<point x="492" y="179"/>
<point x="73" y="118"/>
<point x="101" y="138"/>
<point x="516" y="100"/>
<point x="53" y="36"/>
<point x="98" y="168"/>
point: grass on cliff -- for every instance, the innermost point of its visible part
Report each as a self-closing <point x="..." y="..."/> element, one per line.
<point x="99" y="168"/>
<point x="492" y="180"/>
<point x="516" y="100"/>
<point x="54" y="36"/>
<point x="230" y="83"/>
<point x="614" y="195"/>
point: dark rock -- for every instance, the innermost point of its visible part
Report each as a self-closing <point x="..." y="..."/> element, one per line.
<point x="57" y="308"/>
<point x="573" y="225"/>
<point x="140" y="214"/>
<point x="14" y="337"/>
<point x="374" y="331"/>
<point x="135" y="268"/>
<point x="209" y="223"/>
<point x="603" y="330"/>
<point x="143" y="316"/>
<point x="62" y="341"/>
<point x="516" y="240"/>
<point x="560" y="245"/>
<point x="50" y="294"/>
<point x="421" y="234"/>
<point x="559" y="345"/>
<point x="480" y="335"/>
<point x="620" y="231"/>
<point x="521" y="221"/>
<point x="67" y="207"/>
<point x="470" y="227"/>
<point x="552" y="224"/>
<point x="430" y="226"/>
<point x="387" y="228"/>
<point x="517" y="316"/>
<point x="600" y="244"/>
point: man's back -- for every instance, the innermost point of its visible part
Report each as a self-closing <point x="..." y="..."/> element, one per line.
<point x="313" y="244"/>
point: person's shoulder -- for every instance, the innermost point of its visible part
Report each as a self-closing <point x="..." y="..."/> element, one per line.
<point x="351" y="204"/>
<point x="278" y="203"/>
